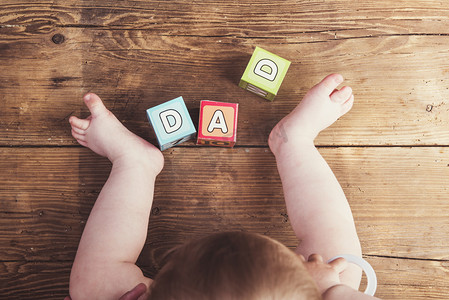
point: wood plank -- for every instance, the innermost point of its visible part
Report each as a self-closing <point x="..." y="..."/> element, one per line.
<point x="397" y="279"/>
<point x="41" y="84"/>
<point x="398" y="195"/>
<point x="243" y="18"/>
<point x="393" y="105"/>
<point x="34" y="280"/>
<point x="410" y="279"/>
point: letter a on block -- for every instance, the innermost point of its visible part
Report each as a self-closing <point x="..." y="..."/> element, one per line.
<point x="263" y="65"/>
<point x="171" y="120"/>
<point x="218" y="122"/>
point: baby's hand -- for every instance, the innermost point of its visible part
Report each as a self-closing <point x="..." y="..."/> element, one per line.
<point x="326" y="275"/>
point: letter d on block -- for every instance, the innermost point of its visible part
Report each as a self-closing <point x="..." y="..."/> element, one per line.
<point x="263" y="64"/>
<point x="171" y="126"/>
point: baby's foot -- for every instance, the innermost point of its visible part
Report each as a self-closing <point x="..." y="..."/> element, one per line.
<point x="104" y="134"/>
<point x="321" y="107"/>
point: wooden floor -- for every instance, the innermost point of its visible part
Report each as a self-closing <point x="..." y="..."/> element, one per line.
<point x="390" y="152"/>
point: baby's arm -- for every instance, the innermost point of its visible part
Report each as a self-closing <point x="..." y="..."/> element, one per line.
<point x="104" y="267"/>
<point x="317" y="207"/>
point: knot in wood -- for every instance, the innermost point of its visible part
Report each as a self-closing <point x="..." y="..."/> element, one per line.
<point x="58" y="38"/>
<point x="156" y="211"/>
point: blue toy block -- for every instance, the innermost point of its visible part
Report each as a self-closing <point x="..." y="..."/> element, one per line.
<point x="171" y="123"/>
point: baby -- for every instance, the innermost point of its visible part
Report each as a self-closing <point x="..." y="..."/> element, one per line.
<point x="228" y="265"/>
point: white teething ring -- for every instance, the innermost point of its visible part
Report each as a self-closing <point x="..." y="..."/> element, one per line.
<point x="366" y="267"/>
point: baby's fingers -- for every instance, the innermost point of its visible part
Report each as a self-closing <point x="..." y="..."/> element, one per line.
<point x="135" y="293"/>
<point x="339" y="265"/>
<point x="315" y="258"/>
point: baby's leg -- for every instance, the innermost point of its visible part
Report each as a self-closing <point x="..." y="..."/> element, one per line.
<point x="317" y="207"/>
<point x="117" y="226"/>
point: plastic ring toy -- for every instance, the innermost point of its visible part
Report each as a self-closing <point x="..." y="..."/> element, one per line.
<point x="366" y="267"/>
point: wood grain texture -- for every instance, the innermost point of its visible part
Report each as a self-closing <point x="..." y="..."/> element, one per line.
<point x="398" y="196"/>
<point x="243" y="17"/>
<point x="399" y="77"/>
<point x="409" y="279"/>
<point x="34" y="280"/>
<point x="398" y="279"/>
<point x="390" y="152"/>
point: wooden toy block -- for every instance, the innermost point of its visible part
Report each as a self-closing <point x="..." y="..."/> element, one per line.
<point x="217" y="124"/>
<point x="264" y="74"/>
<point x="171" y="123"/>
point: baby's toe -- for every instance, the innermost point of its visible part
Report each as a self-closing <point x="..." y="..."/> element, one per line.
<point x="78" y="136"/>
<point x="78" y="130"/>
<point x="83" y="143"/>
<point x="342" y="95"/>
<point x="81" y="124"/>
<point x="347" y="105"/>
<point x="94" y="104"/>
<point x="329" y="84"/>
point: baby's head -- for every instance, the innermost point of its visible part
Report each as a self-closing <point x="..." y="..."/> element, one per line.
<point x="233" y="265"/>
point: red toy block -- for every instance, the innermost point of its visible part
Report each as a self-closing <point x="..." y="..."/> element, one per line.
<point x="218" y="124"/>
